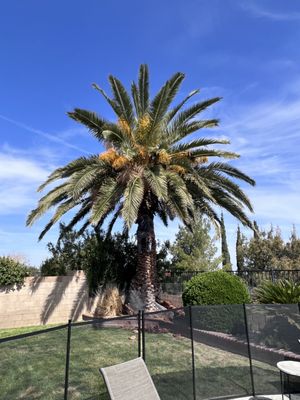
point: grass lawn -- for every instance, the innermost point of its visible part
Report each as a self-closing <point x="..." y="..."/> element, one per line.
<point x="33" y="368"/>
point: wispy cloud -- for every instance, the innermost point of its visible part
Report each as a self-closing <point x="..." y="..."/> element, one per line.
<point x="46" y="135"/>
<point x="19" y="178"/>
<point x="262" y="12"/>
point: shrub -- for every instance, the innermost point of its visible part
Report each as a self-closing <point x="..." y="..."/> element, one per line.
<point x="280" y="292"/>
<point x="215" y="288"/>
<point x="220" y="293"/>
<point x="12" y="272"/>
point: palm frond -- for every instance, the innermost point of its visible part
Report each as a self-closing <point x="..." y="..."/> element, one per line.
<point x="143" y="88"/>
<point x="176" y="133"/>
<point x="110" y="101"/>
<point x="196" y="143"/>
<point x="157" y="181"/>
<point x="108" y="195"/>
<point x="133" y="197"/>
<point x="60" y="211"/>
<point x="85" y="179"/>
<point x="191" y="112"/>
<point x="81" y="213"/>
<point x="136" y="99"/>
<point x="215" y="178"/>
<point x="229" y="170"/>
<point x="122" y="98"/>
<point x="90" y="119"/>
<point x="112" y="222"/>
<point x="174" y="111"/>
<point x="52" y="198"/>
<point x="163" y="99"/>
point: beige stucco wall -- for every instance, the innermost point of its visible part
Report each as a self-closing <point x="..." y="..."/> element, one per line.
<point x="46" y="300"/>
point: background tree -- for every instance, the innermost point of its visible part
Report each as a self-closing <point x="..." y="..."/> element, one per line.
<point x="240" y="245"/>
<point x="148" y="170"/>
<point x="104" y="259"/>
<point x="195" y="250"/>
<point x="267" y="250"/>
<point x="12" y="271"/>
<point x="224" y="247"/>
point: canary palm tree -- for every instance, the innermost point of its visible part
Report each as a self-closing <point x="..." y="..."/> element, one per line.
<point x="148" y="169"/>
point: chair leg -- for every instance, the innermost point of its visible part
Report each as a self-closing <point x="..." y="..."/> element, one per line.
<point x="281" y="385"/>
<point x="288" y="385"/>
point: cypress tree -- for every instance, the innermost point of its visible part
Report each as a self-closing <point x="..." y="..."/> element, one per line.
<point x="225" y="252"/>
<point x="239" y="251"/>
<point x="256" y="230"/>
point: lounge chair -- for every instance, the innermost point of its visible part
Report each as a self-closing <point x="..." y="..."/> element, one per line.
<point x="129" y="381"/>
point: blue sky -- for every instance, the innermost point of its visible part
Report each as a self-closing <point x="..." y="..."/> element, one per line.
<point x="52" y="51"/>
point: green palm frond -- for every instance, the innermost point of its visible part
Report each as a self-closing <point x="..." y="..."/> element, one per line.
<point x="157" y="180"/>
<point x="133" y="197"/>
<point x="222" y="181"/>
<point x="69" y="169"/>
<point x="193" y="111"/>
<point x="80" y="214"/>
<point x="85" y="179"/>
<point x="108" y="195"/>
<point x="196" y="143"/>
<point x="171" y="114"/>
<point x="60" y="211"/>
<point x="229" y="170"/>
<point x="213" y="153"/>
<point x="55" y="196"/>
<point x="143" y="89"/>
<point x="136" y="99"/>
<point x="110" y="101"/>
<point x="176" y="133"/>
<point x="90" y="119"/>
<point x="122" y="98"/>
<point x="112" y="222"/>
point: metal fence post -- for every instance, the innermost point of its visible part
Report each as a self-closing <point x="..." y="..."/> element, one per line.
<point x="68" y="360"/>
<point x="193" y="353"/>
<point x="249" y="350"/>
<point x="272" y="275"/>
<point x="143" y="336"/>
<point x="139" y="333"/>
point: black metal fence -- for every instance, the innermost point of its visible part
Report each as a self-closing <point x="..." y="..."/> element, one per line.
<point x="172" y="282"/>
<point x="199" y="352"/>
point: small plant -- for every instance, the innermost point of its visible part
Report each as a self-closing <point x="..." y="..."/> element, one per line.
<point x="12" y="272"/>
<point x="218" y="287"/>
<point x="280" y="292"/>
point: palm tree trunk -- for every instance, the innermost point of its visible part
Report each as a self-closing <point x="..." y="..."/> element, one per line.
<point x="143" y="286"/>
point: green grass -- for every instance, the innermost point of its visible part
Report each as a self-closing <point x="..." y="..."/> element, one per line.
<point x="33" y="368"/>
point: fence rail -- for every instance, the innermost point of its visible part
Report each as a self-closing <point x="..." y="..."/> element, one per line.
<point x="173" y="281"/>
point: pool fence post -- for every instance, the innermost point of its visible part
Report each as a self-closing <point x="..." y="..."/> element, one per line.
<point x="143" y="336"/>
<point x="68" y="360"/>
<point x="193" y="353"/>
<point x="139" y="334"/>
<point x="249" y="350"/>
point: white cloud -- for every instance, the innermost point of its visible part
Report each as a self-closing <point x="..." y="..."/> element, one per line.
<point x="19" y="178"/>
<point x="53" y="138"/>
<point x="20" y="169"/>
<point x="262" y="12"/>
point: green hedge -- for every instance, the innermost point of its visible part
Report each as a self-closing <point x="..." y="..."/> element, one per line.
<point x="221" y="294"/>
<point x="12" y="272"/>
<point x="215" y="288"/>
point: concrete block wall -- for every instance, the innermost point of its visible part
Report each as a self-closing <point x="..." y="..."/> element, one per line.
<point x="46" y="300"/>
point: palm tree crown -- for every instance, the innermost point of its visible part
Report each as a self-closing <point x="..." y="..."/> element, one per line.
<point x="148" y="166"/>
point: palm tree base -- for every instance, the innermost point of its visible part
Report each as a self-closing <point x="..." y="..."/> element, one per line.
<point x="137" y="301"/>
